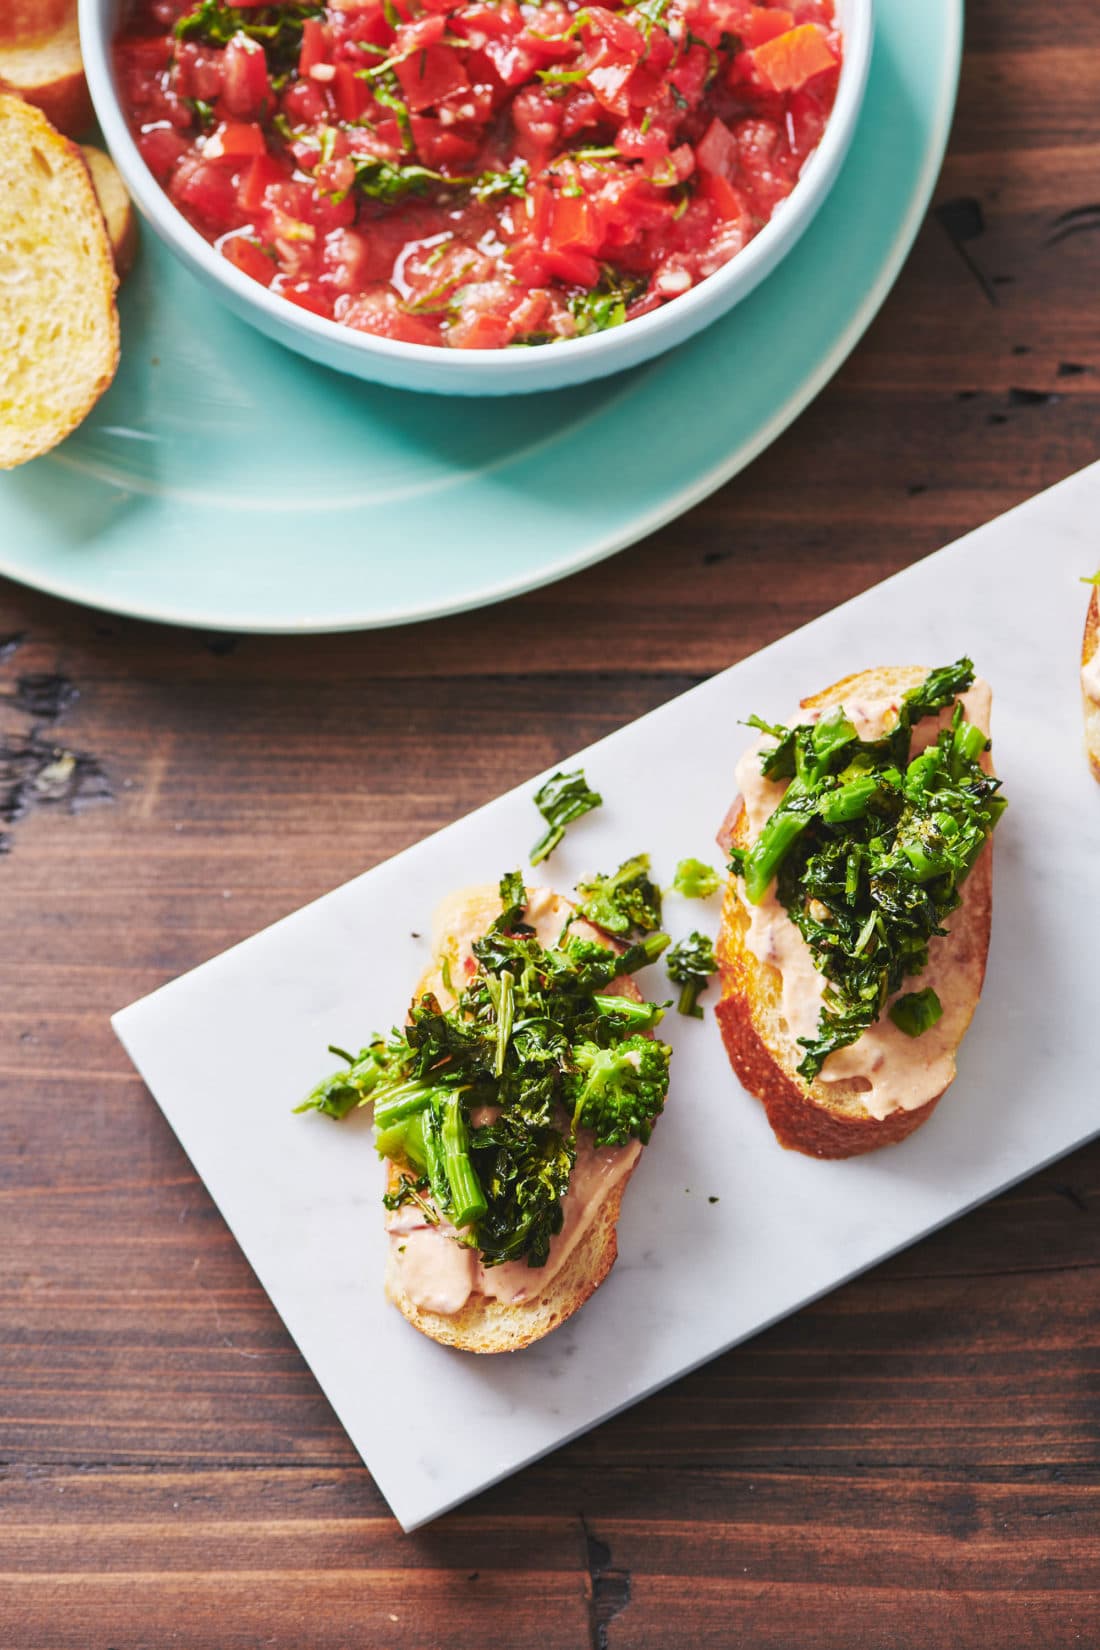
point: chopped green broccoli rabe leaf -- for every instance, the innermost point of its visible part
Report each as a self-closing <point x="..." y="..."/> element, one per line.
<point x="626" y="903"/>
<point x="694" y="880"/>
<point x="690" y="966"/>
<point x="538" y="1045"/>
<point x="564" y="798"/>
<point x="868" y="850"/>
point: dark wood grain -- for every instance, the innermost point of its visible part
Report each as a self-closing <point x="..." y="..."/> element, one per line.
<point x="911" y="1462"/>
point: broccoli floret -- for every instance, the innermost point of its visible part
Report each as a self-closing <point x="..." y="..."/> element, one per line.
<point x="618" y="1092"/>
<point x="691" y="964"/>
<point x="623" y="903"/>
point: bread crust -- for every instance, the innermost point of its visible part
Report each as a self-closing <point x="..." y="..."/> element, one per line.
<point x="483" y="1324"/>
<point x="487" y="1325"/>
<point x="47" y="70"/>
<point x="1090" y="646"/>
<point x="823" y="1120"/>
<point x="116" y="207"/>
<point x="33" y="419"/>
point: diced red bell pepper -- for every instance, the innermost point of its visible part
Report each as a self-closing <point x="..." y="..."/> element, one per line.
<point x="431" y="75"/>
<point x="787" y="62"/>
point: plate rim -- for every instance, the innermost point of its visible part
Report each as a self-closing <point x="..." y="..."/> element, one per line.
<point x="638" y="527"/>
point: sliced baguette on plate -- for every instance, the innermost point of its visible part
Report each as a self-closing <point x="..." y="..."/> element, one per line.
<point x="116" y="206"/>
<point x="46" y="69"/>
<point x="1090" y="681"/>
<point x="59" y="336"/>
<point x="830" y="1115"/>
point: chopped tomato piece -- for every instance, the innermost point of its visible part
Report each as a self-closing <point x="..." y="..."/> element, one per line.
<point x="787" y="62"/>
<point x="379" y="313"/>
<point x="207" y="190"/>
<point x="765" y="23"/>
<point x="162" y="149"/>
<point x="246" y="89"/>
<point x="250" y="258"/>
<point x="430" y="75"/>
<point x="717" y="153"/>
<point x="234" y="141"/>
<point x="264" y="171"/>
<point x="316" y="45"/>
<point x="575" y="224"/>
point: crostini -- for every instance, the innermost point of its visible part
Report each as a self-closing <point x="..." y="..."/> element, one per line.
<point x="59" y="334"/>
<point x="511" y="1110"/>
<point x="116" y="206"/>
<point x="40" y="62"/>
<point x="1090" y="680"/>
<point x="856" y="922"/>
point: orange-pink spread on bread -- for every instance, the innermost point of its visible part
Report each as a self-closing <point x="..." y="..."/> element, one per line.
<point x="901" y="1073"/>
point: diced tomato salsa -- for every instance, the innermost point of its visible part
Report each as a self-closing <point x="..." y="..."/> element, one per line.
<point x="485" y="173"/>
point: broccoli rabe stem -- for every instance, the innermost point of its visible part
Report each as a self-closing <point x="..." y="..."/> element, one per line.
<point x="467" y="1197"/>
<point x="638" y="1016"/>
<point x="403" y="1100"/>
<point x="688" y="1000"/>
<point x="426" y="1127"/>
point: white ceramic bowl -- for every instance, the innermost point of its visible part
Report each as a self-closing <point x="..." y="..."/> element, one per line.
<point x="481" y="372"/>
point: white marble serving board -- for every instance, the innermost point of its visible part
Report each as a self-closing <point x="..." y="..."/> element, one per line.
<point x="228" y="1049"/>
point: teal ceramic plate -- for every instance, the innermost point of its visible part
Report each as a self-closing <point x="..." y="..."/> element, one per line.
<point x="225" y="483"/>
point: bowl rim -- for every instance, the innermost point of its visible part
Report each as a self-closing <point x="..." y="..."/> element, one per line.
<point x="684" y="315"/>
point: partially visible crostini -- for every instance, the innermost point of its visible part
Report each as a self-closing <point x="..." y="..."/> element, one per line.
<point x="40" y="62"/>
<point x="59" y="334"/>
<point x="1090" y="681"/>
<point x="834" y="1096"/>
<point x="511" y="1112"/>
<point x="116" y="206"/>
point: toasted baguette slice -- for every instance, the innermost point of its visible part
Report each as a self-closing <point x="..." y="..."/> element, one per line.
<point x="485" y="1324"/>
<point x="58" y="320"/>
<point x="116" y="206"/>
<point x="1090" y="652"/>
<point x="48" y="71"/>
<point x="22" y="21"/>
<point x="828" y="1119"/>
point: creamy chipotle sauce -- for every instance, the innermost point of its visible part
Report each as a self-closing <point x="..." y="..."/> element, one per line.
<point x="901" y="1073"/>
<point x="431" y="1265"/>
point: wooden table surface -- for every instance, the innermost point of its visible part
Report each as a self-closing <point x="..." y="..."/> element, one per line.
<point x="912" y="1462"/>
